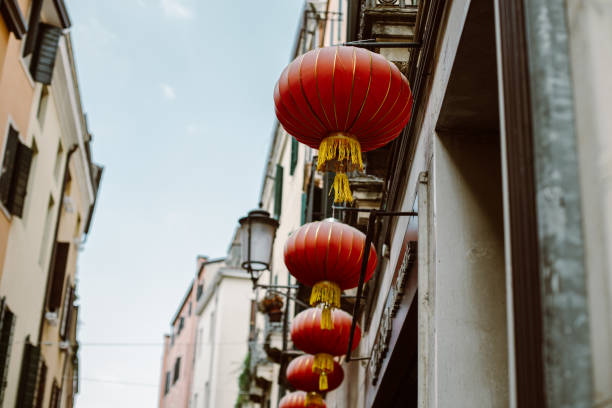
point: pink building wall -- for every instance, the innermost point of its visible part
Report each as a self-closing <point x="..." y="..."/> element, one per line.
<point x="181" y="344"/>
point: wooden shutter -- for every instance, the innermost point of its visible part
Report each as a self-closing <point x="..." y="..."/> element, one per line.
<point x="303" y="213"/>
<point x="8" y="166"/>
<point x="278" y="191"/>
<point x="59" y="272"/>
<point x="43" y="57"/>
<point x="55" y="394"/>
<point x="42" y="382"/>
<point x="7" y="323"/>
<point x="21" y="174"/>
<point x="29" y="375"/>
<point x="13" y="18"/>
<point x="67" y="311"/>
<point x="295" y="148"/>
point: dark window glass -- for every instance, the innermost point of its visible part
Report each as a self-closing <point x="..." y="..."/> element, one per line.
<point x="278" y="191"/>
<point x="7" y="325"/>
<point x="45" y="51"/>
<point x="295" y="148"/>
<point x="15" y="173"/>
<point x="167" y="384"/>
<point x="28" y="378"/>
<point x="59" y="273"/>
<point x="177" y="370"/>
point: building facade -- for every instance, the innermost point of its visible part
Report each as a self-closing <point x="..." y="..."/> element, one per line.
<point x="497" y="291"/>
<point x="220" y="357"/>
<point x="49" y="186"/>
<point x="180" y="345"/>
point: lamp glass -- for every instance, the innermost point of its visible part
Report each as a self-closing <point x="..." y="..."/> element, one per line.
<point x="259" y="229"/>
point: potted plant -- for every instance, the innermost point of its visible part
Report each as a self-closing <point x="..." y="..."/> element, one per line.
<point x="272" y="305"/>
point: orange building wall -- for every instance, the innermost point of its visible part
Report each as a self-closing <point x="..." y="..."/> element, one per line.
<point x="16" y="94"/>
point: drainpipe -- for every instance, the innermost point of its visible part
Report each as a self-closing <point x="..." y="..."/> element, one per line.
<point x="73" y="148"/>
<point x="566" y="332"/>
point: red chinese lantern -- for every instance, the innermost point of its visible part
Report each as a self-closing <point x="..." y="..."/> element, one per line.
<point x="308" y="336"/>
<point x="303" y="375"/>
<point x="342" y="101"/>
<point x="327" y="255"/>
<point x="300" y="399"/>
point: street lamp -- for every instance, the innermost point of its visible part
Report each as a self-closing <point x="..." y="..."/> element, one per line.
<point x="257" y="232"/>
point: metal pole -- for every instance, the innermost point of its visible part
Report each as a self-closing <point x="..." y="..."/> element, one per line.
<point x="566" y="332"/>
<point x="364" y="266"/>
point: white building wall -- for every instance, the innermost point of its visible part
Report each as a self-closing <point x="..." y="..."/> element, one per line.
<point x="221" y="339"/>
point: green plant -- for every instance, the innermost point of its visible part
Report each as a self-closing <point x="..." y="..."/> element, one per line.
<point x="244" y="381"/>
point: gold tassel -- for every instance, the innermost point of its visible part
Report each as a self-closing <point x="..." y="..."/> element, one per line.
<point x="323" y="381"/>
<point x="313" y="398"/>
<point x="340" y="147"/>
<point x="326" y="294"/>
<point x="342" y="189"/>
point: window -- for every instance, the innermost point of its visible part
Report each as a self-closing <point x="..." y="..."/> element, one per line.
<point x="295" y="148"/>
<point x="15" y="173"/>
<point x="177" y="370"/>
<point x="303" y="215"/>
<point x="42" y="105"/>
<point x="189" y="313"/>
<point x="278" y="191"/>
<point x="167" y="383"/>
<point x="13" y="18"/>
<point x="44" y="53"/>
<point x="67" y="311"/>
<point x="7" y="325"/>
<point x="200" y="291"/>
<point x="28" y="377"/>
<point x="59" y="272"/>
<point x="211" y="331"/>
<point x="40" y="389"/>
<point x="58" y="160"/>
<point x="55" y="395"/>
<point x="46" y="232"/>
<point x="181" y="324"/>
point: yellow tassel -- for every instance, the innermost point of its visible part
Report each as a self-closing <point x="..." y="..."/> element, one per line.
<point x="342" y="148"/>
<point x="313" y="398"/>
<point x="325" y="292"/>
<point x="342" y="189"/>
<point x="326" y="319"/>
<point x="323" y="381"/>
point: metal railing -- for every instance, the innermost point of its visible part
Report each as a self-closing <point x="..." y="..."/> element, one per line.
<point x="391" y="3"/>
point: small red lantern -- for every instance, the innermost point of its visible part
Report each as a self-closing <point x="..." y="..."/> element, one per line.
<point x="342" y="101"/>
<point x="308" y="336"/>
<point x="302" y="374"/>
<point x="300" y="399"/>
<point x="327" y="255"/>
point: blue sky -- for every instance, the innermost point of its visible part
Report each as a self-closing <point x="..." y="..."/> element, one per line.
<point x="179" y="100"/>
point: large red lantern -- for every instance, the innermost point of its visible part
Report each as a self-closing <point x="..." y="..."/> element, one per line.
<point x="303" y="375"/>
<point x="327" y="255"/>
<point x="342" y="101"/>
<point x="308" y="336"/>
<point x="300" y="399"/>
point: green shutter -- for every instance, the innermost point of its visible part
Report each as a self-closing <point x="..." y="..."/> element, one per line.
<point x="278" y="191"/>
<point x="303" y="214"/>
<point x="295" y="147"/>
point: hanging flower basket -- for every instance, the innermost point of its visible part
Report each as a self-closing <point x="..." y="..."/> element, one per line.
<point x="272" y="305"/>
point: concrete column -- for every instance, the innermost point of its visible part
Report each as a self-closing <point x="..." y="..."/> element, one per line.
<point x="469" y="317"/>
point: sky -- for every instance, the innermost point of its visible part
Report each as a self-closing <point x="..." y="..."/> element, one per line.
<point x="178" y="95"/>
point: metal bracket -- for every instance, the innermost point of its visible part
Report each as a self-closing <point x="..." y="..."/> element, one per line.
<point x="374" y="213"/>
<point x="372" y="43"/>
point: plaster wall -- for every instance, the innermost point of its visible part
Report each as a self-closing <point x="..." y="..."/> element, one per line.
<point x="590" y="22"/>
<point x="31" y="238"/>
<point x="220" y="345"/>
<point x="16" y="96"/>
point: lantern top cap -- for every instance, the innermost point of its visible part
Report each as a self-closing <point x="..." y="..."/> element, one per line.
<point x="259" y="215"/>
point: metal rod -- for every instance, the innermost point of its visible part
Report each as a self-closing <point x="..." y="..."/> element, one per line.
<point x="277" y="286"/>
<point x="364" y="265"/>
<point x="378" y="212"/>
<point x="360" y="358"/>
<point x="288" y="296"/>
<point x="384" y="44"/>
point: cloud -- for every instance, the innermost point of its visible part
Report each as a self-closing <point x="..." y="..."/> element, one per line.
<point x="168" y="91"/>
<point x="176" y="9"/>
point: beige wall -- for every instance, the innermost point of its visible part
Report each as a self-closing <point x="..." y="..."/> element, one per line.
<point x="590" y="28"/>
